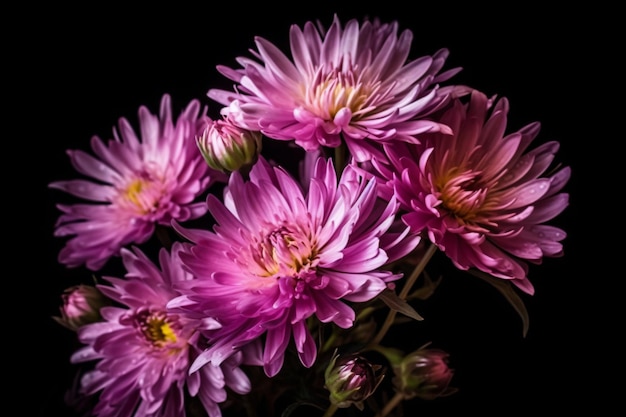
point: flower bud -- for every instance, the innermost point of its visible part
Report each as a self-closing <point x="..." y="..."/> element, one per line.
<point x="81" y="305"/>
<point x="351" y="379"/>
<point x="226" y="147"/>
<point x="423" y="373"/>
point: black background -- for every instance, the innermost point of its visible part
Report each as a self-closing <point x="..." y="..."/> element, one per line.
<point x="77" y="70"/>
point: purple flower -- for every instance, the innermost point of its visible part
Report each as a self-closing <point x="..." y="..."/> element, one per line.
<point x="143" y="352"/>
<point x="482" y="196"/>
<point x="278" y="256"/>
<point x="136" y="184"/>
<point x="351" y="84"/>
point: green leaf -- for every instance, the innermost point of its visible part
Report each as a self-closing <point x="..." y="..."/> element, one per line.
<point x="508" y="290"/>
<point x="396" y="303"/>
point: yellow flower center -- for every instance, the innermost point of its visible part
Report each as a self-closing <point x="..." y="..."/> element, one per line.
<point x="133" y="191"/>
<point x="158" y="329"/>
<point x="286" y="251"/>
<point x="327" y="95"/>
<point x="142" y="194"/>
<point x="464" y="196"/>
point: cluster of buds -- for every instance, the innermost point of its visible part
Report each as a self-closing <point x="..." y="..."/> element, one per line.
<point x="80" y="305"/>
<point x="351" y="379"/>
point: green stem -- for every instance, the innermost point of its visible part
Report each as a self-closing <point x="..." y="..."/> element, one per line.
<point x="363" y="314"/>
<point x="391" y="405"/>
<point x="405" y="291"/>
<point x="329" y="342"/>
<point x="418" y="270"/>
<point x="340" y="158"/>
<point x="332" y="408"/>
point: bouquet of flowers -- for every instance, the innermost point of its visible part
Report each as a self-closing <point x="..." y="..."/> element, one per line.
<point x="266" y="251"/>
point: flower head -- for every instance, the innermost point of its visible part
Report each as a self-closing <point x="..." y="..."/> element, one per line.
<point x="278" y="255"/>
<point x="351" y="379"/>
<point x="81" y="304"/>
<point x="136" y="184"/>
<point x="143" y="352"/>
<point x="226" y="147"/>
<point x="424" y="374"/>
<point x="482" y="197"/>
<point x="349" y="83"/>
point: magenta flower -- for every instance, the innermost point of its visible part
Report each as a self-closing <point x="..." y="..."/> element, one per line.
<point x="136" y="184"/>
<point x="482" y="197"/>
<point x="279" y="255"/>
<point x="143" y="352"/>
<point x="351" y="84"/>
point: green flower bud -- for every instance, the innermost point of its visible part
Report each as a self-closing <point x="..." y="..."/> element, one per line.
<point x="227" y="148"/>
<point x="423" y="373"/>
<point x="81" y="305"/>
<point x="351" y="379"/>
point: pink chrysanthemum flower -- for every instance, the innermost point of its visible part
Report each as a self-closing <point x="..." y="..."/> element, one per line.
<point x="279" y="255"/>
<point x="352" y="84"/>
<point x="143" y="352"/>
<point x="481" y="195"/>
<point x="136" y="184"/>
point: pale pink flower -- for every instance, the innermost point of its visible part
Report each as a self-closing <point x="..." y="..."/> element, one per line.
<point x="142" y="352"/>
<point x="481" y="195"/>
<point x="352" y="84"/>
<point x="136" y="183"/>
<point x="278" y="256"/>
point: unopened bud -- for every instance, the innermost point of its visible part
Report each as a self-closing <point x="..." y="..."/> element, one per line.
<point x="80" y="305"/>
<point x="227" y="147"/>
<point x="351" y="379"/>
<point x="424" y="373"/>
